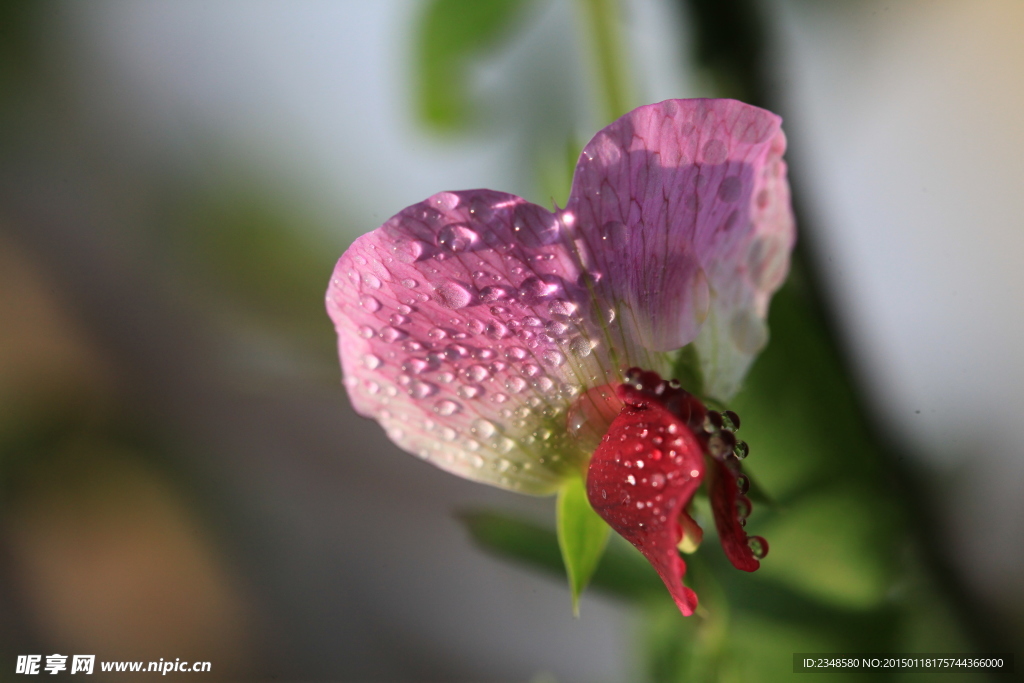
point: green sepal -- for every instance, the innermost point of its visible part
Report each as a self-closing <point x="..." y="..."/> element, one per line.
<point x="687" y="370"/>
<point x="582" y="537"/>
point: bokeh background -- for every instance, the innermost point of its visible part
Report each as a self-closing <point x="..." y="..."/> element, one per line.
<point x="181" y="474"/>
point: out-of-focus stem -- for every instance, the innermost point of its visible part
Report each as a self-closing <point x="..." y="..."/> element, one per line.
<point x="601" y="19"/>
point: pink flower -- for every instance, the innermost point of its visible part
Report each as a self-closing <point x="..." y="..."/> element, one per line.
<point x="504" y="343"/>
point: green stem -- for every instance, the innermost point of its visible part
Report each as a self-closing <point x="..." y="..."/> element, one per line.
<point x="601" y="17"/>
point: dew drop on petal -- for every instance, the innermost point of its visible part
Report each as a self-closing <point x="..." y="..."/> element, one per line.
<point x="446" y="407"/>
<point x="437" y="334"/>
<point x="470" y="391"/>
<point x="419" y="389"/>
<point x="562" y="307"/>
<point x="371" y="281"/>
<point x="492" y="293"/>
<point x="408" y="251"/>
<point x="581" y="347"/>
<point x="545" y="384"/>
<point x="541" y="287"/>
<point x="372" y="362"/>
<point x="366" y="332"/>
<point x="515" y="384"/>
<point x="758" y="546"/>
<point x="484" y="428"/>
<point x="553" y="357"/>
<point x="398" y="319"/>
<point x="457" y="237"/>
<point x="390" y="334"/>
<point x="369" y="303"/>
<point x="453" y="295"/>
<point x="477" y="373"/>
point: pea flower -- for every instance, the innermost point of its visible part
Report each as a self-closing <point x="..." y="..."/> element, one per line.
<point x="520" y="347"/>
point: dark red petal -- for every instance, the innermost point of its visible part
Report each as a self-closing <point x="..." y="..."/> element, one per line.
<point x="641" y="477"/>
<point x="730" y="508"/>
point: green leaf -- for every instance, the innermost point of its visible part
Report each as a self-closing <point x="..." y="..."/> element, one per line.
<point x="582" y="537"/>
<point x="451" y="34"/>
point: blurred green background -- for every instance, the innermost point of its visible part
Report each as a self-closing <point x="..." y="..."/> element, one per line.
<point x="181" y="474"/>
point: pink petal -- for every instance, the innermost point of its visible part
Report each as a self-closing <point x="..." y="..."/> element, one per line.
<point x="684" y="208"/>
<point x="467" y="329"/>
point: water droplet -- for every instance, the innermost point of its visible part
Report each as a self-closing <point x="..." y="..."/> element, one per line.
<point x="581" y="347"/>
<point x="410" y="283"/>
<point x="453" y="295"/>
<point x="470" y="391"/>
<point x="476" y="373"/>
<point x="730" y="189"/>
<point x="741" y="450"/>
<point x="562" y="307"/>
<point x="448" y="434"/>
<point x="415" y="366"/>
<point x="390" y="334"/>
<point x="398" y="319"/>
<point x="484" y="354"/>
<point x="657" y="480"/>
<point x="758" y="546"/>
<point x="743" y="507"/>
<point x="372" y="362"/>
<point x="371" y="387"/>
<point x="515" y="384"/>
<point x="408" y="251"/>
<point x="730" y="421"/>
<point x="371" y="281"/>
<point x="404" y="310"/>
<point x="419" y="389"/>
<point x="712" y="421"/>
<point x="457" y="237"/>
<point x="492" y="293"/>
<point x="437" y="334"/>
<point x="446" y="407"/>
<point x="553" y="357"/>
<point x="506" y="444"/>
<point x="545" y="384"/>
<point x="484" y="429"/>
<point x="446" y="377"/>
<point x="496" y="330"/>
<point x="714" y="152"/>
<point x="455" y="351"/>
<point x="516" y="353"/>
<point x="631" y="480"/>
<point x="499" y="397"/>
<point x="369" y="303"/>
<point x="743" y="483"/>
<point x="540" y="287"/>
<point x="366" y="332"/>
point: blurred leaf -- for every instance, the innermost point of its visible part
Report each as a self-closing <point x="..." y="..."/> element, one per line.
<point x="622" y="572"/>
<point x="259" y="251"/>
<point x="582" y="537"/>
<point x="451" y="34"/>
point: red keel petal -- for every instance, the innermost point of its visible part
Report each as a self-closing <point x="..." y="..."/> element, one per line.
<point x="641" y="477"/>
<point x="730" y="508"/>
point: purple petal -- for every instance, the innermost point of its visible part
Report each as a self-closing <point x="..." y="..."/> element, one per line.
<point x="467" y="328"/>
<point x="684" y="207"/>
